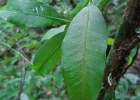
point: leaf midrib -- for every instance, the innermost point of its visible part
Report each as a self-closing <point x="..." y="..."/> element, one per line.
<point x="85" y="51"/>
<point x="50" y="55"/>
<point x="36" y="15"/>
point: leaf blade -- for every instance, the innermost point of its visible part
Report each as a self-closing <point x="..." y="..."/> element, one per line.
<point x="100" y="3"/>
<point x="83" y="58"/>
<point x="79" y="7"/>
<point x="48" y="55"/>
<point x="53" y="31"/>
<point x="30" y="13"/>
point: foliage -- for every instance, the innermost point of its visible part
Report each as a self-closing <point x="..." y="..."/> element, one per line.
<point x="33" y="14"/>
<point x="52" y="49"/>
<point x="81" y="60"/>
<point x="79" y="72"/>
<point x="128" y="85"/>
<point x="35" y="87"/>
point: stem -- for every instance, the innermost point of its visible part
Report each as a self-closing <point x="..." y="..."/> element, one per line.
<point x="16" y="52"/>
<point x="73" y="13"/>
<point x="21" y="83"/>
<point x="23" y="72"/>
<point x="115" y="63"/>
<point x="55" y="86"/>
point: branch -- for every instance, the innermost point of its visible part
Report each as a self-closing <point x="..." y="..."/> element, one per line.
<point x="16" y="52"/>
<point x="21" y="83"/>
<point x="58" y="91"/>
<point x="23" y="70"/>
<point x="125" y="35"/>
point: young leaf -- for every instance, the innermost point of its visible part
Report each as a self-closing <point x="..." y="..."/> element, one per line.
<point x="79" y="7"/>
<point x="30" y="13"/>
<point x="48" y="55"/>
<point x="84" y="54"/>
<point x="110" y="41"/>
<point x="100" y="3"/>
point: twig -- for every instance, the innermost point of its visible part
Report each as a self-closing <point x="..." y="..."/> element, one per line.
<point x="21" y="83"/>
<point x="23" y="68"/>
<point x="55" y="86"/>
<point x="23" y="73"/>
<point x="124" y="35"/>
<point x="20" y="53"/>
<point x="16" y="52"/>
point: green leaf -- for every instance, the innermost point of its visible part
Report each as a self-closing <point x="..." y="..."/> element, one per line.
<point x="110" y="41"/>
<point x="131" y="56"/>
<point x="132" y="78"/>
<point x="110" y="95"/>
<point x="79" y="7"/>
<point x="53" y="31"/>
<point x="100" y="3"/>
<point x="9" y="59"/>
<point x="24" y="96"/>
<point x="30" y="13"/>
<point x="48" y="55"/>
<point x="33" y="45"/>
<point x="16" y="36"/>
<point x="84" y="54"/>
<point x="137" y="91"/>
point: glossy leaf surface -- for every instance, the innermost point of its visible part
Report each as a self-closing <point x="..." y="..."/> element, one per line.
<point x="30" y="13"/>
<point x="48" y="55"/>
<point x="84" y="54"/>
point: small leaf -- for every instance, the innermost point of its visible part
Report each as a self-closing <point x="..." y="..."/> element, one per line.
<point x="48" y="55"/>
<point x="124" y="84"/>
<point x="13" y="81"/>
<point x="100" y="3"/>
<point x="30" y="13"/>
<point x="16" y="36"/>
<point x="131" y="55"/>
<point x="33" y="45"/>
<point x="137" y="91"/>
<point x="9" y="59"/>
<point x="110" y="41"/>
<point x="137" y="30"/>
<point x="53" y="31"/>
<point x="84" y="54"/>
<point x="24" y="96"/>
<point x="110" y="95"/>
<point x="132" y="78"/>
<point x="79" y="7"/>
